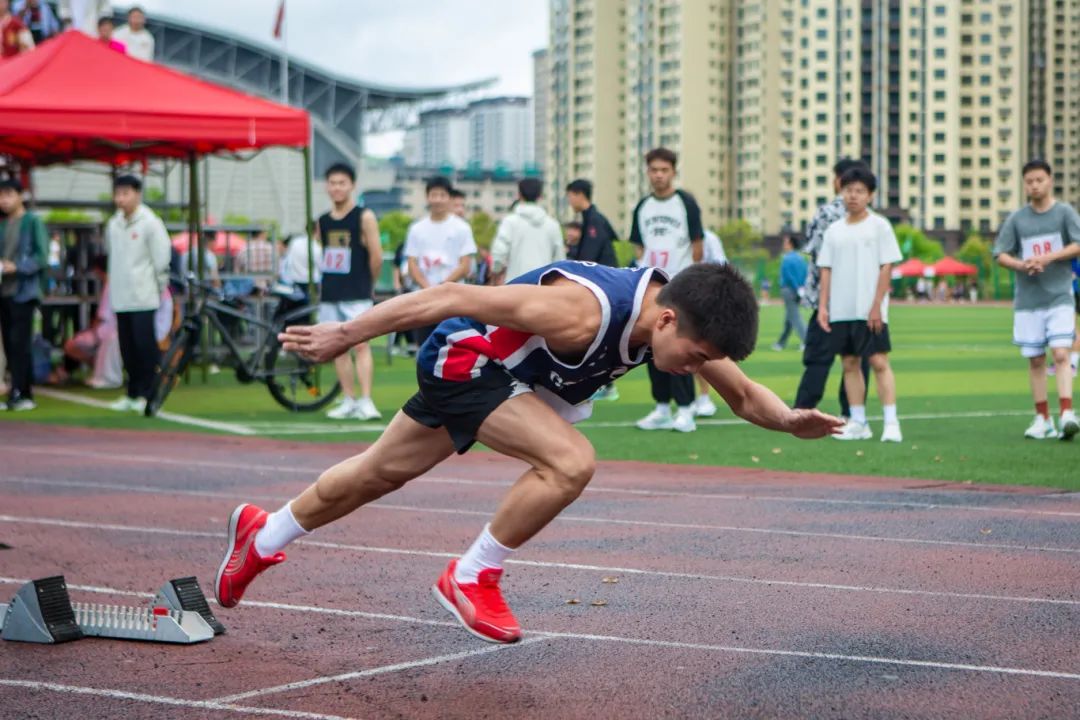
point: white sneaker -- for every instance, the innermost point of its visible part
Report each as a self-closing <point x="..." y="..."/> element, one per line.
<point x="854" y="431"/>
<point x="891" y="433"/>
<point x="656" y="420"/>
<point x="1041" y="429"/>
<point x="777" y="347"/>
<point x="344" y="410"/>
<point x="1069" y="424"/>
<point x="704" y="406"/>
<point x="121" y="404"/>
<point x="364" y="409"/>
<point x="684" y="420"/>
<point x="23" y="404"/>
<point x="137" y="405"/>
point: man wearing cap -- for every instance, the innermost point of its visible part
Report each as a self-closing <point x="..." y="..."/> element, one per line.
<point x="139" y="251"/>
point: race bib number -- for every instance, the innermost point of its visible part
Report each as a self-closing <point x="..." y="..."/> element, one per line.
<point x="1039" y="245"/>
<point x="337" y="261"/>
<point x="658" y="258"/>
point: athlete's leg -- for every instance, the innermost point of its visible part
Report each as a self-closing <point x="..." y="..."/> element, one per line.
<point x="365" y="368"/>
<point x="1037" y="376"/>
<point x="1064" y="379"/>
<point x="343" y="367"/>
<point x="405" y="450"/>
<point x="886" y="381"/>
<point x="562" y="463"/>
<point x="854" y="383"/>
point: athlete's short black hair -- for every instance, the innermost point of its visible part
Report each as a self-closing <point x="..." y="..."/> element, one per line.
<point x="1037" y="164"/>
<point x="341" y="169"/>
<point x="582" y="186"/>
<point x="530" y="189"/>
<point x="716" y="304"/>
<point x="859" y="174"/>
<point x="128" y="181"/>
<point x="572" y="225"/>
<point x="438" y="182"/>
<point x="662" y="153"/>
<point x="455" y="193"/>
<point x="11" y="184"/>
<point x="844" y="164"/>
<point x="104" y="20"/>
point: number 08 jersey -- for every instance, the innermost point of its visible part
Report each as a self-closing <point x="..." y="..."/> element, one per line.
<point x="461" y="348"/>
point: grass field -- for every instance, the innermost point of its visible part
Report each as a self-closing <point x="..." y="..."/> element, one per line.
<point x="963" y="400"/>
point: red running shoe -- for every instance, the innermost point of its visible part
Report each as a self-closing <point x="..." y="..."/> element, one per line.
<point x="478" y="606"/>
<point x="242" y="563"/>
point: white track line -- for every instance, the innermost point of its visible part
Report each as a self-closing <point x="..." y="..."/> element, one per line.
<point x="232" y="428"/>
<point x="606" y="569"/>
<point x="941" y="665"/>
<point x="426" y="662"/>
<point x="164" y="700"/>
<point x="314" y="472"/>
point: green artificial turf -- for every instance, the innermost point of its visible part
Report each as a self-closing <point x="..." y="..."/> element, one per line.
<point x="949" y="361"/>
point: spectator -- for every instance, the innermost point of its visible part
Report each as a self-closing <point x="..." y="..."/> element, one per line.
<point x="257" y="257"/>
<point x="296" y="269"/>
<point x="98" y="345"/>
<point x="39" y="18"/>
<point x="135" y="37"/>
<point x="712" y="252"/>
<point x="105" y="35"/>
<point x="667" y="234"/>
<point x="571" y="237"/>
<point x="713" y="249"/>
<point x="597" y="235"/>
<point x="528" y="237"/>
<point x="457" y="203"/>
<point x="792" y="280"/>
<point x="818" y="355"/>
<point x="352" y="261"/>
<point x="83" y="14"/>
<point x="856" y="262"/>
<point x="210" y="272"/>
<point x="439" y="247"/>
<point x="15" y="37"/>
<point x="138" y="249"/>
<point x="24" y="248"/>
<point x="1037" y="242"/>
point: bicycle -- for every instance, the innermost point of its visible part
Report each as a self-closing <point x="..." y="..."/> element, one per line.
<point x="296" y="384"/>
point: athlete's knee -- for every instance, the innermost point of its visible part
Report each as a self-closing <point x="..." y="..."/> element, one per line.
<point x="1039" y="361"/>
<point x="570" y="471"/>
<point x="850" y="363"/>
<point x="879" y="361"/>
<point x="1061" y="355"/>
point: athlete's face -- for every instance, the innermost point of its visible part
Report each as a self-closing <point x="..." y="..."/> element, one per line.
<point x="856" y="197"/>
<point x="457" y="206"/>
<point x="578" y="201"/>
<point x="438" y="201"/>
<point x="127" y="199"/>
<point x="661" y="174"/>
<point x="9" y="201"/>
<point x="675" y="352"/>
<point x="1038" y="184"/>
<point x="339" y="187"/>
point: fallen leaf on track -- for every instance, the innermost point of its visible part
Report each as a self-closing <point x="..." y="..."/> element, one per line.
<point x="598" y="603"/>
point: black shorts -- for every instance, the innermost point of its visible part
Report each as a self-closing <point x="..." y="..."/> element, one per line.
<point x="461" y="407"/>
<point x="854" y="337"/>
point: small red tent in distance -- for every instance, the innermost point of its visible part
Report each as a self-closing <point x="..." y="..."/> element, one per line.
<point x="952" y="266"/>
<point x="74" y="98"/>
<point x="913" y="267"/>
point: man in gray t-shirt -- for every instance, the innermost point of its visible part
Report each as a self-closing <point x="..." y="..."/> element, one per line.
<point x="1037" y="242"/>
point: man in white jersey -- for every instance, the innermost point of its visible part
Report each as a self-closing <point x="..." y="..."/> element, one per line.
<point x="667" y="234"/>
<point x="439" y="247"/>
<point x="713" y="252"/>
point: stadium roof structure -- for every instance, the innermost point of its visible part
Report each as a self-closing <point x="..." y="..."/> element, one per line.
<point x="342" y="109"/>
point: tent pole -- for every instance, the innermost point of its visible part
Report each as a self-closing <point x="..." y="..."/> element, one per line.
<point x="195" y="244"/>
<point x="309" y="224"/>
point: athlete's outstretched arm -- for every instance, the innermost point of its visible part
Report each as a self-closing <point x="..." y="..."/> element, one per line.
<point x="535" y="309"/>
<point x="758" y="404"/>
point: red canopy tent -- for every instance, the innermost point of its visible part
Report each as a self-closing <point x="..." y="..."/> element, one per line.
<point x="913" y="267"/>
<point x="952" y="266"/>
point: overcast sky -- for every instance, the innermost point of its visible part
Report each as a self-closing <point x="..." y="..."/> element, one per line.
<point x="393" y="42"/>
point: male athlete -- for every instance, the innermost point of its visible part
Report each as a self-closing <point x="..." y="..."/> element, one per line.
<point x="512" y="367"/>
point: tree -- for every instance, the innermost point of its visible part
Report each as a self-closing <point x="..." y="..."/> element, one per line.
<point x="740" y="239"/>
<point x="976" y="251"/>
<point x="395" y="225"/>
<point x="915" y="244"/>
<point x="483" y="229"/>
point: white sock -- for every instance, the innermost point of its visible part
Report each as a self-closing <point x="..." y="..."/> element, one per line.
<point x="703" y="398"/>
<point x="858" y="414"/>
<point x="1074" y="359"/>
<point x="485" y="553"/>
<point x="663" y="408"/>
<point x="685" y="410"/>
<point x="890" y="415"/>
<point x="280" y="529"/>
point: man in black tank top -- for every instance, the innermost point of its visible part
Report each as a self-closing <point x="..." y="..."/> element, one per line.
<point x="352" y="260"/>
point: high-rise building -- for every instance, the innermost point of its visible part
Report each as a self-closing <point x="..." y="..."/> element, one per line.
<point x="444" y="138"/>
<point x="541" y="90"/>
<point x="501" y="133"/>
<point x="945" y="100"/>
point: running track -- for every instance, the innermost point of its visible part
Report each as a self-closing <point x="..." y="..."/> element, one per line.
<point x="739" y="593"/>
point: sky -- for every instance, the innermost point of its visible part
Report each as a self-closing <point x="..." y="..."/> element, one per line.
<point x="414" y="43"/>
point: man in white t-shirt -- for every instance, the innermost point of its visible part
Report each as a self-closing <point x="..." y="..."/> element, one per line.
<point x="856" y="262"/>
<point x="666" y="233"/>
<point x="439" y="247"/>
<point x="135" y="37"/>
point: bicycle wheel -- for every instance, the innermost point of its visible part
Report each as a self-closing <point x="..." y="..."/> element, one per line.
<point x="297" y="384"/>
<point x="173" y="364"/>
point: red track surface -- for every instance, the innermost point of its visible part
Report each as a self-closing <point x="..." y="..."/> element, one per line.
<point x="740" y="593"/>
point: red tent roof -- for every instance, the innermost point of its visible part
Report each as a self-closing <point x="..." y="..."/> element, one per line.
<point x="952" y="266"/>
<point x="912" y="267"/>
<point x="75" y="98"/>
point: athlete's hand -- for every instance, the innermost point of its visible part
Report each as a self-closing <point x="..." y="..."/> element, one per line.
<point x="1035" y="265"/>
<point x="811" y="424"/>
<point x="317" y="343"/>
<point x="874" y="321"/>
<point x="823" y="319"/>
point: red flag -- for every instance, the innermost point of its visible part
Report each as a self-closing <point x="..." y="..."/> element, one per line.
<point x="280" y="22"/>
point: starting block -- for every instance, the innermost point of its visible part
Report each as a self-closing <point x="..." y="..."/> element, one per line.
<point x="42" y="612"/>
